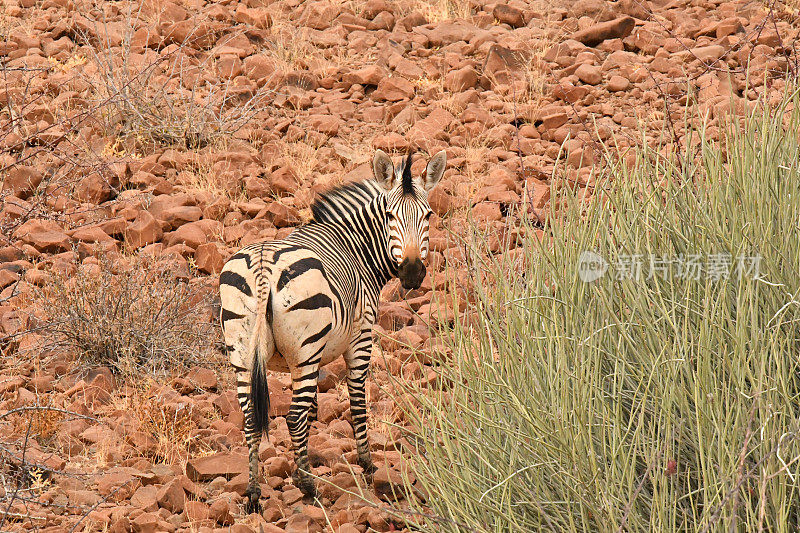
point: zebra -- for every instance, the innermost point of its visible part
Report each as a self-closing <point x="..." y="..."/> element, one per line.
<point x="297" y="304"/>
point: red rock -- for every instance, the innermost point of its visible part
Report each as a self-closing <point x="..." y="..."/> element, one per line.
<point x="319" y="15"/>
<point x="618" y="83"/>
<point x="412" y="20"/>
<point x="332" y="374"/>
<point x="570" y="93"/>
<point x="208" y="258"/>
<point x="431" y="127"/>
<point x="195" y="511"/>
<point x="370" y="75"/>
<point x="461" y="80"/>
<point x="90" y="234"/>
<point x="191" y="33"/>
<point x="22" y="181"/>
<point x="146" y="523"/>
<point x="589" y="74"/>
<point x="144" y="230"/>
<point x="705" y="54"/>
<point x="44" y="235"/>
<point x="302" y="523"/>
<point x="639" y="9"/>
<point x="613" y="29"/>
<point x="7" y="277"/>
<point x="580" y="157"/>
<point x="388" y="483"/>
<point x="257" y="187"/>
<point x="205" y="378"/>
<point x="279" y="466"/>
<point x="181" y="214"/>
<point x="223" y="510"/>
<point x="146" y="498"/>
<point x="211" y="466"/>
<point x="172" y="497"/>
<point x="260" y="68"/>
<point x="118" y="485"/>
<point x="393" y="89"/>
<point x="229" y="66"/>
<point x="390" y="142"/>
<point x="487" y="211"/>
<point x="444" y="33"/>
<point x="327" y="124"/>
<point x="281" y="215"/>
<point x="194" y="234"/>
<point x="94" y="189"/>
<point x="439" y="200"/>
<point x="552" y="117"/>
<point x="506" y="14"/>
<point x="394" y="315"/>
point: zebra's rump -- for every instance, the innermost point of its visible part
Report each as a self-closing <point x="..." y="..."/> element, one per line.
<point x="303" y="310"/>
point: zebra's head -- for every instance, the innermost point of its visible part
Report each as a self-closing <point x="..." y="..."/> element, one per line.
<point x="407" y="212"/>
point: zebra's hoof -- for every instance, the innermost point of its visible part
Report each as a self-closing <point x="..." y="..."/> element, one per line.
<point x="253" y="504"/>
<point x="305" y="484"/>
<point x="369" y="469"/>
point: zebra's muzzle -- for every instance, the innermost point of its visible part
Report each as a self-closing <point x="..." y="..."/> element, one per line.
<point x="411" y="273"/>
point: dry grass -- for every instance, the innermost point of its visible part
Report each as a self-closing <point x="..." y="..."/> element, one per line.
<point x="443" y="10"/>
<point x="165" y="99"/>
<point x="133" y="318"/>
<point x="171" y="426"/>
<point x="292" y="49"/>
<point x="198" y="174"/>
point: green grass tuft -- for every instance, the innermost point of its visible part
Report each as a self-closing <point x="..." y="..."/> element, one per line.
<point x="660" y="404"/>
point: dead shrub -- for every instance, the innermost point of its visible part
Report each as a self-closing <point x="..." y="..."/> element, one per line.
<point x="132" y="318"/>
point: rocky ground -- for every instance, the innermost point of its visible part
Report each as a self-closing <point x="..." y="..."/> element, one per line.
<point x="184" y="130"/>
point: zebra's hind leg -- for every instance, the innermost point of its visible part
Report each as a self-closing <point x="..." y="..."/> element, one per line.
<point x="253" y="492"/>
<point x="304" y="392"/>
<point x="357" y="359"/>
<point x="252" y="435"/>
<point x="252" y="394"/>
<point x="312" y="410"/>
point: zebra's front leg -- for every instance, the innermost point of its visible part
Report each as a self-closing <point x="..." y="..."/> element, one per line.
<point x="304" y="392"/>
<point x="357" y="360"/>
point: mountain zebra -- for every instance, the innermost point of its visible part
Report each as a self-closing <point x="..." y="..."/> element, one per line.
<point x="297" y="304"/>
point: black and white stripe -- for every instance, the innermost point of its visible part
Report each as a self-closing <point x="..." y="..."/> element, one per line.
<point x="299" y="303"/>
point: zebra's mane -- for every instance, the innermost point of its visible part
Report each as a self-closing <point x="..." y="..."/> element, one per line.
<point x="344" y="199"/>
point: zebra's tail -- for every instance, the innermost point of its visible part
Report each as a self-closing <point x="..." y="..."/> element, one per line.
<point x="262" y="352"/>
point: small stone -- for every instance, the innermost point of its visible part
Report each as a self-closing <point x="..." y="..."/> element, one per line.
<point x="613" y="29"/>
<point x="172" y="497"/>
<point x="461" y="80"/>
<point x="144" y="230"/>
<point x="371" y="75"/>
<point x="508" y="15"/>
<point x="279" y="466"/>
<point x="393" y="89"/>
<point x="208" y="258"/>
<point x="44" y="235"/>
<point x="618" y="83"/>
<point x="209" y="467"/>
<point x="589" y="74"/>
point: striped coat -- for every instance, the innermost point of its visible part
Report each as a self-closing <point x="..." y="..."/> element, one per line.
<point x="297" y="304"/>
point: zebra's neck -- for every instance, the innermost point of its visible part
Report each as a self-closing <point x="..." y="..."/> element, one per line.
<point x="373" y="235"/>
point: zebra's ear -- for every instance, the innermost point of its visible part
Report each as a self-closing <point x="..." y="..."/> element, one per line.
<point x="434" y="170"/>
<point x="383" y="168"/>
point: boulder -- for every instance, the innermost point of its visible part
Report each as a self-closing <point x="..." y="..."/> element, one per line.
<point x="597" y="33"/>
